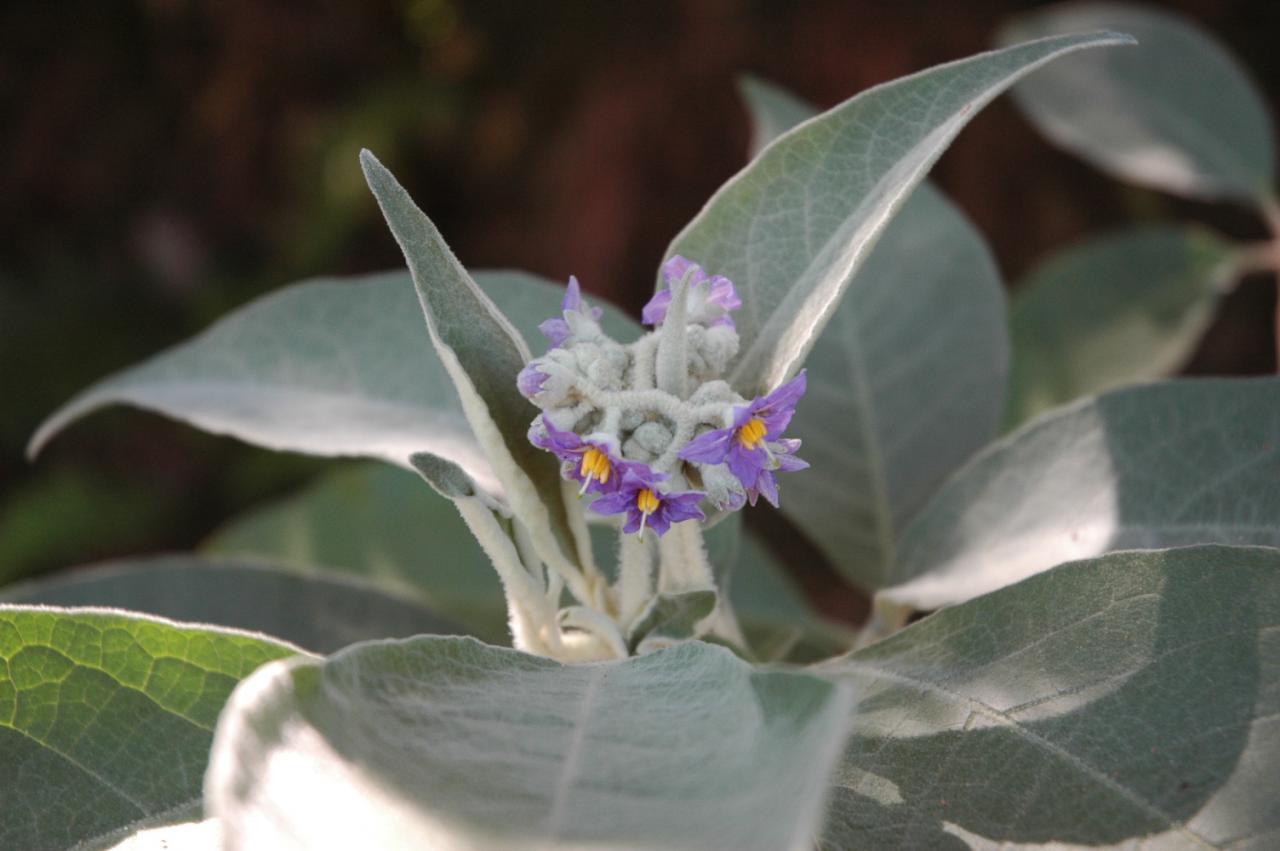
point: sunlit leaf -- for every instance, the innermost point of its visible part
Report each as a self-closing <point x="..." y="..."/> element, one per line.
<point x="905" y="382"/>
<point x="792" y="228"/>
<point x="1184" y="462"/>
<point x="1123" y="702"/>
<point x="106" y="720"/>
<point x="1179" y="113"/>
<point x="450" y="744"/>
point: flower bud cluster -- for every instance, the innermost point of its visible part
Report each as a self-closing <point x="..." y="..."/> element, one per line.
<point x="650" y="428"/>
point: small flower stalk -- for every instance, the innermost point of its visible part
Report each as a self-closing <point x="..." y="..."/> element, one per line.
<point x="656" y="442"/>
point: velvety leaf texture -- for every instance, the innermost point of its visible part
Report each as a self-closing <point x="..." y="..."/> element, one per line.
<point x="1178" y="113"/>
<point x="791" y="229"/>
<point x="450" y="744"/>
<point x="319" y="613"/>
<point x="1183" y="462"/>
<point x="907" y="379"/>
<point x="1118" y="309"/>
<point x="333" y="366"/>
<point x="106" y="720"/>
<point x="1124" y="702"/>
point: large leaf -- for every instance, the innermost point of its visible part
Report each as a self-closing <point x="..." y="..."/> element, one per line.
<point x="1118" y="309"/>
<point x="792" y="227"/>
<point x="1179" y="113"/>
<point x="1184" y="462"/>
<point x="382" y="524"/>
<point x="773" y="109"/>
<point x="482" y="353"/>
<point x="450" y="744"/>
<point x="1129" y="701"/>
<point x="320" y="613"/>
<point x="106" y="720"/>
<point x="906" y="381"/>
<point x="326" y="367"/>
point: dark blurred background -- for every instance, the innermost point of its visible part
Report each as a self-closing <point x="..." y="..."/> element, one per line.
<point x="163" y="161"/>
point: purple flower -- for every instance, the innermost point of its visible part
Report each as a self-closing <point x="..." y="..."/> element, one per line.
<point x="710" y="297"/>
<point x="766" y="484"/>
<point x="645" y="504"/>
<point x="591" y="462"/>
<point x="752" y="446"/>
<point x="530" y="380"/>
<point x="558" y="330"/>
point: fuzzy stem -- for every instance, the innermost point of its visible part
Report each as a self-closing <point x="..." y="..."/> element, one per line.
<point x="635" y="576"/>
<point x="682" y="560"/>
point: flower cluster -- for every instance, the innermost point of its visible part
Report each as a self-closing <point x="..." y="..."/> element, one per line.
<point x="650" y="429"/>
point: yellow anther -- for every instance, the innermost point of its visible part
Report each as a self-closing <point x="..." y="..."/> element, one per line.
<point x="752" y="434"/>
<point x="595" y="464"/>
<point x="647" y="501"/>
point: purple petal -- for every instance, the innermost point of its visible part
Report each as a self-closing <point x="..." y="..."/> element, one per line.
<point x="656" y="310"/>
<point x="767" y="486"/>
<point x="746" y="464"/>
<point x="677" y="267"/>
<point x="555" y="330"/>
<point x="723" y="294"/>
<point x="659" y="522"/>
<point x="790" y="463"/>
<point x="614" y="503"/>
<point x="683" y="506"/>
<point x="572" y="296"/>
<point x="709" y="448"/>
<point x="633" y="521"/>
<point x="530" y="380"/>
<point x="565" y="444"/>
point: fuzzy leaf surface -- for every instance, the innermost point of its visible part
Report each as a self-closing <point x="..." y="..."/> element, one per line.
<point x="792" y="228"/>
<point x="452" y="744"/>
<point x="1127" y="701"/>
<point x="1184" y="462"/>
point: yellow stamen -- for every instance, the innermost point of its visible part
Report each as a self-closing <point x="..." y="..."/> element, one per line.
<point x="647" y="501"/>
<point x="595" y="465"/>
<point x="752" y="434"/>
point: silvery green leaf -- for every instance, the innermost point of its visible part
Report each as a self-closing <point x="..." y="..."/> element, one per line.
<point x="1179" y="113"/>
<point x="527" y="300"/>
<point x="1183" y="462"/>
<point x="381" y="524"/>
<point x="778" y="622"/>
<point x="773" y="109"/>
<point x="321" y="612"/>
<point x="792" y="228"/>
<point x="106" y="719"/>
<point x="1124" y="702"/>
<point x="482" y="353"/>
<point x="671" y="617"/>
<point x="905" y="382"/>
<point x="1118" y="309"/>
<point x="333" y="366"/>
<point x="448" y="743"/>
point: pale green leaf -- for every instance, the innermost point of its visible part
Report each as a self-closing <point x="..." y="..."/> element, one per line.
<point x="106" y="720"/>
<point x="1125" y="702"/>
<point x="450" y="744"/>
<point x="1183" y="462"/>
<point x="1179" y="113"/>
<point x="791" y="229"/>
<point x="482" y="353"/>
<point x="671" y="617"/>
<point x="334" y="366"/>
<point x="382" y="524"/>
<point x="321" y="613"/>
<point x="905" y="382"/>
<point x="1118" y="309"/>
<point x="773" y="110"/>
